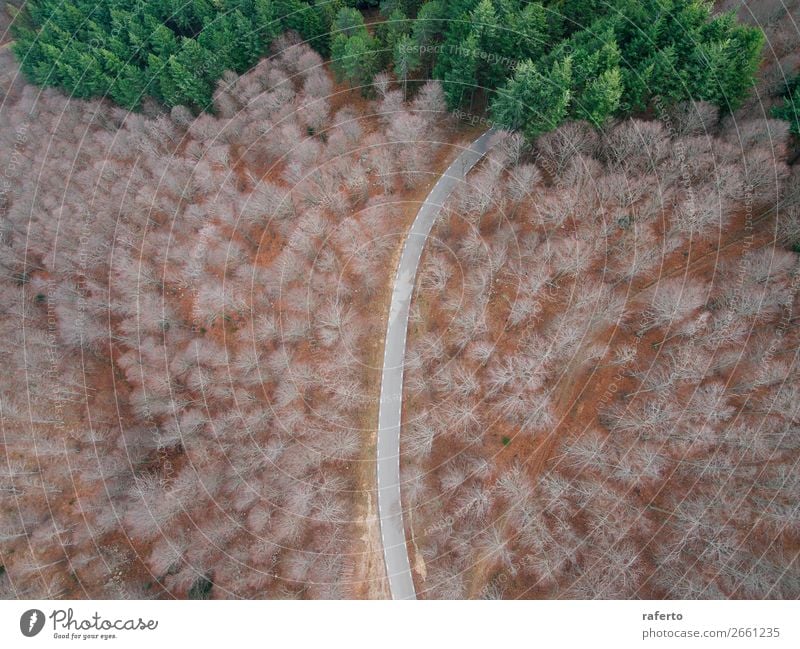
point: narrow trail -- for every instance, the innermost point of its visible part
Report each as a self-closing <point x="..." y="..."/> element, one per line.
<point x="390" y="512"/>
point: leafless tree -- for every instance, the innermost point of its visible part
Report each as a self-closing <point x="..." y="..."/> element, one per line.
<point x="556" y="149"/>
<point x="429" y="101"/>
<point x="635" y="145"/>
<point x="521" y="182"/>
<point x="693" y="118"/>
<point x="672" y="301"/>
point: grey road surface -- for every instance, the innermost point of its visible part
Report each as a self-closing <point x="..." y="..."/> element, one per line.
<point x="395" y="553"/>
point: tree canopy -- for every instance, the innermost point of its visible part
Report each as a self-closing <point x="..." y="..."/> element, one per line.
<point x="790" y="108"/>
<point x="537" y="63"/>
<point x="635" y="52"/>
<point x="172" y="50"/>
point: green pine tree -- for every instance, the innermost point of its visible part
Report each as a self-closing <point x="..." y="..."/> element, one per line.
<point x="459" y="80"/>
<point x="601" y="98"/>
<point x="790" y="108"/>
<point x="406" y="59"/>
<point x="360" y="61"/>
<point x="535" y="101"/>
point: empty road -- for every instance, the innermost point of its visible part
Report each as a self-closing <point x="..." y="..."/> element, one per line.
<point x="390" y="511"/>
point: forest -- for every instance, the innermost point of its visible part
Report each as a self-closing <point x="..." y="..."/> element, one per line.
<point x="603" y="374"/>
<point x="187" y="329"/>
<point x="602" y="368"/>
<point x="536" y="64"/>
<point x="202" y="206"/>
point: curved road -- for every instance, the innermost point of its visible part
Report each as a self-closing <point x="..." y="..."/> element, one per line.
<point x="395" y="553"/>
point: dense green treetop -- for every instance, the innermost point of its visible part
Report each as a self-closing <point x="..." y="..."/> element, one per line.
<point x="174" y="50"/>
<point x="790" y="108"/>
<point x="538" y="63"/>
<point x="635" y="51"/>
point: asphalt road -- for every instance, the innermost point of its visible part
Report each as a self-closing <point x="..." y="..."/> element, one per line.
<point x="395" y="553"/>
